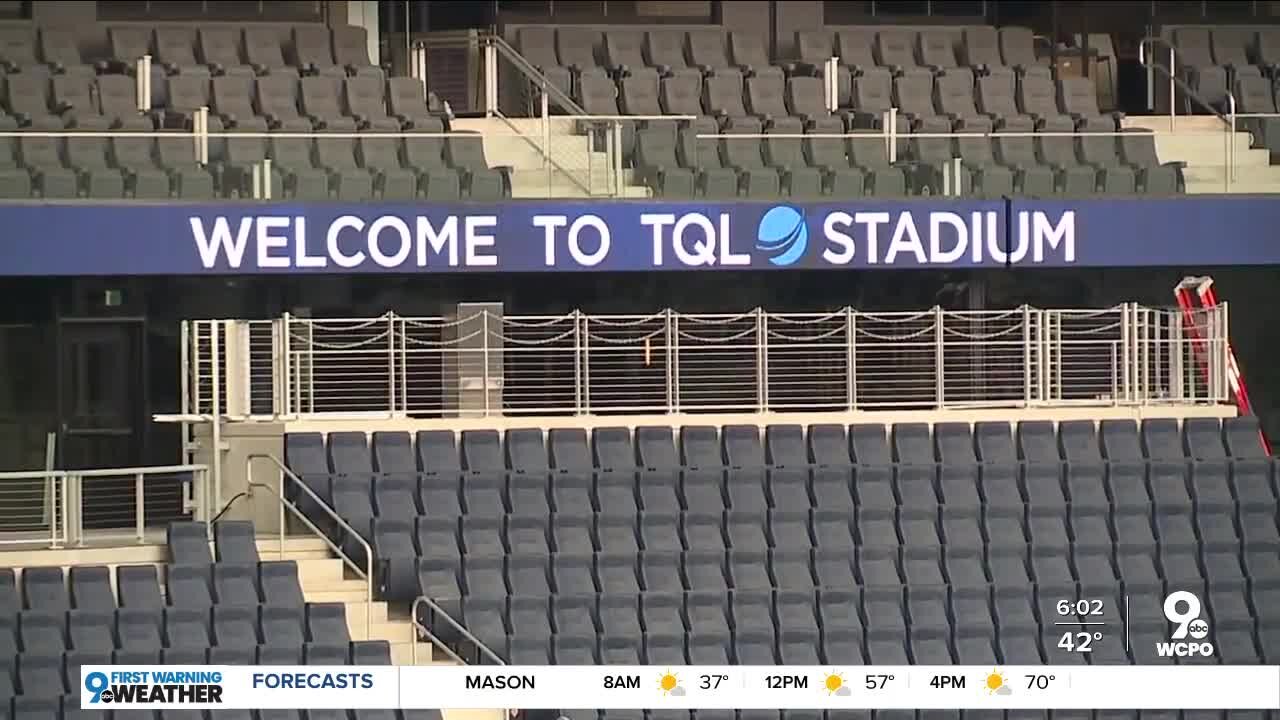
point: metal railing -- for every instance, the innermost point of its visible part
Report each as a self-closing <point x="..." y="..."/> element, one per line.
<point x="81" y="508"/>
<point x="365" y="573"/>
<point x="438" y="613"/>
<point x="1147" y="59"/>
<point x="484" y="364"/>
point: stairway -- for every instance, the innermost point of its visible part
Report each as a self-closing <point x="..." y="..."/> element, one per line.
<point x="579" y="169"/>
<point x="1205" y="155"/>
<point x="325" y="578"/>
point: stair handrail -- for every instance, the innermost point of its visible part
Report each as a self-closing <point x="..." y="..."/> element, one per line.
<point x="1148" y="61"/>
<point x="534" y="74"/>
<point x="1176" y="83"/>
<point x="439" y="613"/>
<point x="285" y="472"/>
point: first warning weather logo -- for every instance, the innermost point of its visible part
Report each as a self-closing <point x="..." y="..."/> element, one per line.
<point x="161" y="687"/>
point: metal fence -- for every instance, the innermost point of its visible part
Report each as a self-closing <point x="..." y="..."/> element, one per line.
<point x="78" y="508"/>
<point x="484" y="364"/>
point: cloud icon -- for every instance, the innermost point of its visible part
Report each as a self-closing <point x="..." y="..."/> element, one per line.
<point x="1004" y="690"/>
<point x="782" y="230"/>
<point x="844" y="691"/>
<point x="677" y="691"/>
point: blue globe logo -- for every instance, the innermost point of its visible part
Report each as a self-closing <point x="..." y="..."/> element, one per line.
<point x="783" y="234"/>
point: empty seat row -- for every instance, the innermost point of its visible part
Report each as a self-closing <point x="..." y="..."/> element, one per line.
<point x="217" y="49"/>
<point x="45" y="631"/>
<point x="1214" y="59"/>
<point x="703" y="446"/>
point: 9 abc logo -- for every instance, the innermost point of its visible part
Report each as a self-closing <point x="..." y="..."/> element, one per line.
<point x="1182" y="609"/>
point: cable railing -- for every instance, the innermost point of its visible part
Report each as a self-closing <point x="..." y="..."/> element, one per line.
<point x="316" y="503"/>
<point x="485" y="364"/>
<point x="100" y="508"/>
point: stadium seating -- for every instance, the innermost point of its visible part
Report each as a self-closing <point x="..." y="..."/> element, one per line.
<point x="860" y="544"/>
<point x="234" y="609"/>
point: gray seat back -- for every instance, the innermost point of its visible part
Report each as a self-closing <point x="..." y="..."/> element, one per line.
<point x="854" y="45"/>
<point x="350" y="46"/>
<point x="680" y="96"/>
<point x="278" y="95"/>
<point x="807" y="96"/>
<point x="576" y="47"/>
<point x="953" y="95"/>
<point x="364" y="96"/>
<point x="18" y="46"/>
<point x="872" y="93"/>
<point x="640" y="95"/>
<point x="742" y="152"/>
<point x="1077" y="96"/>
<point x="995" y="96"/>
<point x="220" y="46"/>
<point x="87" y="153"/>
<point x="233" y="95"/>
<point x="815" y="47"/>
<point x="129" y="43"/>
<point x="747" y="49"/>
<point x="188" y="93"/>
<point x="538" y="45"/>
<point x="245" y="151"/>
<point x="784" y="152"/>
<point x="766" y="95"/>
<point x="665" y="47"/>
<point x="467" y="151"/>
<point x="1037" y="96"/>
<point x="292" y="154"/>
<point x="404" y="95"/>
<point x="59" y="45"/>
<point x="1231" y="46"/>
<point x="336" y="153"/>
<point x="1018" y="46"/>
<point x="980" y="45"/>
<point x="1193" y="47"/>
<point x="78" y="93"/>
<point x="135" y="153"/>
<point x="320" y="96"/>
<point x="937" y="48"/>
<point x="624" y="48"/>
<point x="311" y="46"/>
<point x="1254" y="95"/>
<point x="707" y="49"/>
<point x="262" y="47"/>
<point x="913" y="93"/>
<point x="425" y="153"/>
<point x="1017" y="151"/>
<point x="599" y="95"/>
<point x="29" y="94"/>
<point x="176" y="46"/>
<point x="41" y="151"/>
<point x="896" y="48"/>
<point x="723" y="94"/>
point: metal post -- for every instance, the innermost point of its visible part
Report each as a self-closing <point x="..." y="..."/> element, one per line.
<point x="939" y="358"/>
<point x="577" y="362"/>
<point x="490" y="80"/>
<point x="484" y="356"/>
<point x="51" y="493"/>
<point x="257" y="181"/>
<point x="1044" y="325"/>
<point x="404" y="369"/>
<point x="850" y="358"/>
<point x="391" y="364"/>
<point x="286" y="371"/>
<point x="202" y="136"/>
<point x="185" y="392"/>
<point x="72" y="517"/>
<point x="586" y="365"/>
<point x="673" y="352"/>
<point x="1176" y="366"/>
<point x="215" y="429"/>
<point x="1026" y="355"/>
<point x="142" y="83"/>
<point x="1172" y="105"/>
<point x="546" y="136"/>
<point x="266" y="178"/>
<point x="1223" y="336"/>
<point x="957" y="185"/>
<point x="1125" y="358"/>
<point x="892" y="134"/>
<point x="139" y="497"/>
<point x="618" y="177"/>
<point x="762" y="362"/>
<point x="1231" y="140"/>
<point x="831" y="84"/>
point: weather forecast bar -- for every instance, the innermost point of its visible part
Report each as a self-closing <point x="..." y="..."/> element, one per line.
<point x="824" y="687"/>
<point x="1190" y="687"/>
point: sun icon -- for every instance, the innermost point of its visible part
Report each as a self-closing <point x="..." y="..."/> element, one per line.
<point x="995" y="683"/>
<point x="668" y="682"/>
<point x="834" y="683"/>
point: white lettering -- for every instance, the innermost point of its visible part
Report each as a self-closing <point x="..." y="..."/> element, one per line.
<point x="549" y="223"/>
<point x="905" y="239"/>
<point x="211" y="245"/>
<point x="428" y="237"/>
<point x="401" y="228"/>
<point x="936" y="222"/>
<point x="1063" y="233"/>
<point x="477" y="241"/>
<point x="727" y="255"/>
<point x="975" y="237"/>
<point x="833" y="227"/>
<point x="704" y="250"/>
<point x="340" y="258"/>
<point x="301" y="258"/>
<point x="1016" y="253"/>
<point x="268" y="242"/>
<point x="657" y="221"/>
<point x="873" y="221"/>
<point x="602" y="242"/>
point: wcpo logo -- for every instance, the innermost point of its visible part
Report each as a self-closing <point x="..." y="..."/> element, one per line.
<point x="783" y="234"/>
<point x="1182" y="609"/>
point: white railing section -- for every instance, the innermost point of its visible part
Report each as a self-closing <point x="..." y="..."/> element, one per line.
<point x="82" y="508"/>
<point x="669" y="362"/>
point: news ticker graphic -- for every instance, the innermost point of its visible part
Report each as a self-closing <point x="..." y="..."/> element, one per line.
<point x="1188" y="687"/>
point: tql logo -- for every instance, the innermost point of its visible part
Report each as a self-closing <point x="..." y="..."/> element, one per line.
<point x="1182" y="609"/>
<point x="783" y="234"/>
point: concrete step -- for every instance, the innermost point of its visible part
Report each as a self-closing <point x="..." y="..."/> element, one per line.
<point x="1242" y="174"/>
<point x="525" y="126"/>
<point x="356" y="611"/>
<point x="1198" y="187"/>
<point x="567" y="190"/>
<point x="270" y="546"/>
<point x="1183" y="123"/>
<point x="1203" y="148"/>
<point x="319" y="572"/>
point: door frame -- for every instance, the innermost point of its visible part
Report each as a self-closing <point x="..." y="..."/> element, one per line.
<point x="135" y="328"/>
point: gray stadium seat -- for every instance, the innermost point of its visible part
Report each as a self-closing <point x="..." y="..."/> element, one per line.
<point x="186" y="628"/>
<point x="657" y="166"/>
<point x="347" y="180"/>
<point x="365" y="100"/>
<point x="722" y="96"/>
<point x="235" y="542"/>
<point x="327" y="623"/>
<point x="44" y="589"/>
<point x="480" y="180"/>
<point x="321" y="103"/>
<point x="91" y="587"/>
<point x="894" y="49"/>
<point x="175" y="51"/>
<point x="407" y="104"/>
<point x="220" y="48"/>
<point x="351" y="52"/>
<point x="235" y="627"/>
<point x="435" y="179"/>
<point x="313" y="51"/>
<point x="1017" y="47"/>
<point x="750" y="56"/>
<point x="537" y="45"/>
<point x="276" y="99"/>
<point x="294" y="159"/>
<point x="90" y="630"/>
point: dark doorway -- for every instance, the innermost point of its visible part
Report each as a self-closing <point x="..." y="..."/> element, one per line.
<point x="102" y="393"/>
